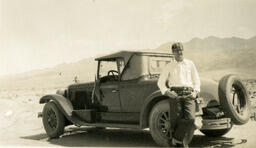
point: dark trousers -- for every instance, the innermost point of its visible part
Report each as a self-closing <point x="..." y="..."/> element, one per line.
<point x="183" y="129"/>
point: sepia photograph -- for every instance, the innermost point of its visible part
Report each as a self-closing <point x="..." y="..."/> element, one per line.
<point x="128" y="73"/>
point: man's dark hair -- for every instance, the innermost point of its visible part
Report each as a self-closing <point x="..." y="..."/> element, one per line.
<point x="177" y="46"/>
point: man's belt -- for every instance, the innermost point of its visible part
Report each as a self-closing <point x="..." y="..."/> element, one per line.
<point x="182" y="91"/>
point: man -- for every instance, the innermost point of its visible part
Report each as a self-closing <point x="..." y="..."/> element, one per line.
<point x="178" y="77"/>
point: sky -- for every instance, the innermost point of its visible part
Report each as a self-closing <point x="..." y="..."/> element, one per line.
<point x="36" y="34"/>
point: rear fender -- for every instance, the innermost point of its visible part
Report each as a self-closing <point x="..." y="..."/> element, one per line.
<point x="149" y="102"/>
<point x="62" y="103"/>
<point x="209" y="92"/>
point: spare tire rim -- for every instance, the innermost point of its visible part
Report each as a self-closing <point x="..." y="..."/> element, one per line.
<point x="238" y="100"/>
<point x="164" y="125"/>
<point x="51" y="118"/>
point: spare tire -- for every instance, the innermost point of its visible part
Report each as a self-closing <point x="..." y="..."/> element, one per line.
<point x="234" y="99"/>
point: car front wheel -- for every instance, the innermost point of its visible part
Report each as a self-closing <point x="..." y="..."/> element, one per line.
<point x="53" y="120"/>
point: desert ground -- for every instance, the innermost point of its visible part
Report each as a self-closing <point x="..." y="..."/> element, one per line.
<point x="21" y="127"/>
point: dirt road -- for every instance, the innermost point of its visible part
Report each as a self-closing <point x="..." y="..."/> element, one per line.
<point x="242" y="136"/>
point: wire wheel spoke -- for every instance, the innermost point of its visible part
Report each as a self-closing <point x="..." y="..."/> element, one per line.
<point x="164" y="124"/>
<point x="51" y="118"/>
<point x="165" y="115"/>
<point x="166" y="132"/>
<point x="169" y="134"/>
<point x="236" y="102"/>
<point x="162" y="119"/>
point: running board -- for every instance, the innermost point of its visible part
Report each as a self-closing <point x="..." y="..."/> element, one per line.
<point x="88" y="118"/>
<point x="115" y="125"/>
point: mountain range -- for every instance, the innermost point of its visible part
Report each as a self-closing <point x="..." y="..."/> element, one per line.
<point x="213" y="57"/>
<point x="219" y="53"/>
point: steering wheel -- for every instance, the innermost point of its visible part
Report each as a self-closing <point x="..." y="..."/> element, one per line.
<point x="112" y="73"/>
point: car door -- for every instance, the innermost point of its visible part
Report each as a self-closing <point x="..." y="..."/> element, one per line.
<point x="109" y="86"/>
<point x="110" y="96"/>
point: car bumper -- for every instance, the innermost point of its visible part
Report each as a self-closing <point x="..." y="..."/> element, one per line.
<point x="214" y="124"/>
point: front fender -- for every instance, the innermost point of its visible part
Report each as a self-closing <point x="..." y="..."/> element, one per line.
<point x="149" y="102"/>
<point x="62" y="103"/>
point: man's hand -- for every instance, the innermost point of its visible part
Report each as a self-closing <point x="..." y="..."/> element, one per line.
<point x="194" y="94"/>
<point x="170" y="94"/>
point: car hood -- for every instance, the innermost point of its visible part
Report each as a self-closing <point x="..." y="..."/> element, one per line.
<point x="81" y="85"/>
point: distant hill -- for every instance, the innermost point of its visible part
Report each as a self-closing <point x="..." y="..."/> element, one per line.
<point x="216" y="43"/>
<point x="213" y="57"/>
<point x="55" y="77"/>
<point x="219" y="53"/>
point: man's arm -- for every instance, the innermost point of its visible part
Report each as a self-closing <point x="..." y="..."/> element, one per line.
<point x="162" y="83"/>
<point x="162" y="80"/>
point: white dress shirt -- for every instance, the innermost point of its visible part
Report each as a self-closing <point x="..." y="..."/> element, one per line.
<point x="179" y="74"/>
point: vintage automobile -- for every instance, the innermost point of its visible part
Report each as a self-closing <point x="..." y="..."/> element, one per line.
<point x="125" y="95"/>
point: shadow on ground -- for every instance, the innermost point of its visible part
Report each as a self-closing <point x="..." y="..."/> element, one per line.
<point x="91" y="137"/>
<point x="204" y="141"/>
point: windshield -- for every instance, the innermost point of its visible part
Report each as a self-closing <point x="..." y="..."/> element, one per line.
<point x="106" y="66"/>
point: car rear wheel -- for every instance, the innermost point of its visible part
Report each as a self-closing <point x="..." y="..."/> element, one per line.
<point x="53" y="120"/>
<point x="234" y="99"/>
<point x="160" y="123"/>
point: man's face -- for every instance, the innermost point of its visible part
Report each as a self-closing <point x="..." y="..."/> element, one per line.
<point x="178" y="54"/>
